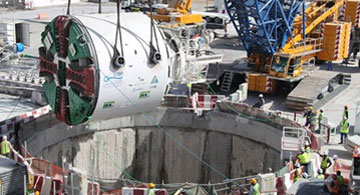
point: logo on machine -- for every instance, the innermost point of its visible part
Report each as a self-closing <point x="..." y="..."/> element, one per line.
<point x="116" y="77"/>
<point x="144" y="94"/>
<point x="109" y="104"/>
<point x="154" y="80"/>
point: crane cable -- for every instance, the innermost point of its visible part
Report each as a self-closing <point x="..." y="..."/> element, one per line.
<point x="116" y="53"/>
<point x="153" y="51"/>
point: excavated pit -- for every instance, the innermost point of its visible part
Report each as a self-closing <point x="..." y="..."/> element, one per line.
<point x="233" y="145"/>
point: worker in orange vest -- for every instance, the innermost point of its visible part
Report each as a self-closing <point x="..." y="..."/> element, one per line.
<point x="356" y="152"/>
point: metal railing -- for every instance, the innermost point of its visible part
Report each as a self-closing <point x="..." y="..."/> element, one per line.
<point x="290" y="134"/>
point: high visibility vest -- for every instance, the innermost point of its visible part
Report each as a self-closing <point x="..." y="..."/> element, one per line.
<point x="344" y="126"/>
<point x="150" y="192"/>
<point x="302" y="158"/>
<point x="297" y="176"/>
<point x="340" y="181"/>
<point x="307" y="157"/>
<point x="324" y="162"/>
<point x="321" y="176"/>
<point x="255" y="189"/>
<point x="5" y="147"/>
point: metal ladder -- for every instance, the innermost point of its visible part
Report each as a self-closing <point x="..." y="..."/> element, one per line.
<point x="226" y="82"/>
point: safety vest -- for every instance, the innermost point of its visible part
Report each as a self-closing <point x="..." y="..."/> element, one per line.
<point x="340" y="181"/>
<point x="302" y="158"/>
<point x="5" y="147"/>
<point x="255" y="189"/>
<point x="324" y="162"/>
<point x="297" y="176"/>
<point x="344" y="126"/>
<point x="150" y="192"/>
<point x="321" y="176"/>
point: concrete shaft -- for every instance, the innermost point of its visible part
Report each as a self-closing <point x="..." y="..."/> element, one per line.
<point x="233" y="145"/>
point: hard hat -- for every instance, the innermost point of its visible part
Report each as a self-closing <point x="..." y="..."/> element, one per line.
<point x="316" y="112"/>
<point x="151" y="185"/>
<point x="310" y="107"/>
<point x="320" y="171"/>
<point x="346" y="106"/>
<point x="335" y="156"/>
<point x="4" y="137"/>
<point x="307" y="143"/>
<point x="37" y="193"/>
<point x="261" y="95"/>
<point x="297" y="165"/>
<point x="253" y="181"/>
<point x="326" y="153"/>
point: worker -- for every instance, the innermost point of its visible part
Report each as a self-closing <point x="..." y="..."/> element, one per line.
<point x="255" y="188"/>
<point x="356" y="152"/>
<point x="325" y="162"/>
<point x="337" y="165"/>
<point x="313" y="121"/>
<point x="297" y="172"/>
<point x="189" y="86"/>
<point x="344" y="130"/>
<point x="304" y="159"/>
<point x="307" y="146"/>
<point x="346" y="112"/>
<point x="320" y="118"/>
<point x="150" y="190"/>
<point x="308" y="114"/>
<point x="5" y="147"/>
<point x="340" y="185"/>
<point x="320" y="174"/>
<point x="260" y="103"/>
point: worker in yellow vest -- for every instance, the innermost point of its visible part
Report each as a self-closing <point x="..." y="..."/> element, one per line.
<point x="296" y="175"/>
<point x="5" y="147"/>
<point x="344" y="130"/>
<point x="325" y="162"/>
<point x="255" y="188"/>
<point x="150" y="190"/>
<point x="304" y="159"/>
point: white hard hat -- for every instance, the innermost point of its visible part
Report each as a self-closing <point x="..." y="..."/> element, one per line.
<point x="335" y="156"/>
<point x="306" y="143"/>
<point x="326" y="153"/>
<point x="261" y="95"/>
<point x="4" y="137"/>
<point x="297" y="165"/>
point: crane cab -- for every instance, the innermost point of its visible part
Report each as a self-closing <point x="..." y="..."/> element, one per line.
<point x="285" y="66"/>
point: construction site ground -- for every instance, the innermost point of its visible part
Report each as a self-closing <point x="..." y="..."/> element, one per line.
<point x="233" y="53"/>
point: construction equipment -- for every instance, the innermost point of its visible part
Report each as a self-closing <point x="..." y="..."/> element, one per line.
<point x="284" y="38"/>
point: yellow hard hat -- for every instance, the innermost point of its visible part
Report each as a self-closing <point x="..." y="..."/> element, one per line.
<point x="253" y="181"/>
<point x="310" y="107"/>
<point x="37" y="193"/>
<point x="316" y="112"/>
<point x="151" y="185"/>
<point x="346" y="106"/>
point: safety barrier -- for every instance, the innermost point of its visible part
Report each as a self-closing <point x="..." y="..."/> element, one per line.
<point x="7" y="126"/>
<point x="205" y="101"/>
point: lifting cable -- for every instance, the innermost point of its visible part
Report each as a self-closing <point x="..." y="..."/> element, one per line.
<point x="118" y="58"/>
<point x="68" y="8"/>
<point x="153" y="51"/>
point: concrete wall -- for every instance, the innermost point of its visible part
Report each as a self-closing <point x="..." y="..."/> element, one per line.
<point x="232" y="145"/>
